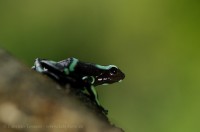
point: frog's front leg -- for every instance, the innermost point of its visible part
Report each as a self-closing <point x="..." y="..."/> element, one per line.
<point x="94" y="96"/>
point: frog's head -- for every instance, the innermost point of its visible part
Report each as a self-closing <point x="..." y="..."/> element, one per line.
<point x="98" y="74"/>
<point x="108" y="75"/>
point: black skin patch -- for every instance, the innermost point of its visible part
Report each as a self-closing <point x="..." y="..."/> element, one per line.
<point x="80" y="75"/>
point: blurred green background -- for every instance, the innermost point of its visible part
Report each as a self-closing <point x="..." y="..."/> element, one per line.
<point x="155" y="42"/>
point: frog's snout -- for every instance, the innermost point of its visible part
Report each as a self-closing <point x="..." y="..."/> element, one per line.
<point x="123" y="76"/>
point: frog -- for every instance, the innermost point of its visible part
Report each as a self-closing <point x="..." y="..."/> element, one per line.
<point x="80" y="75"/>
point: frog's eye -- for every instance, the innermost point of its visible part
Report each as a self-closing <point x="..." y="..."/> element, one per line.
<point x="113" y="70"/>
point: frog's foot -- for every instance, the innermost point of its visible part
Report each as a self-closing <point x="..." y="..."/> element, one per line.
<point x="103" y="110"/>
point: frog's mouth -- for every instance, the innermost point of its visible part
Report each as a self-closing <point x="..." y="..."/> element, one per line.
<point x="109" y="78"/>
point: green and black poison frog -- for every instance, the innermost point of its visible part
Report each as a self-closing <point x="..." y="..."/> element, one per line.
<point x="80" y="75"/>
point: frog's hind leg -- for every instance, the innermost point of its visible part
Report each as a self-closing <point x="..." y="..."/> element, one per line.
<point x="38" y="66"/>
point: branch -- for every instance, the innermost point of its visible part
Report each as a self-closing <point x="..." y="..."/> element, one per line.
<point x="32" y="102"/>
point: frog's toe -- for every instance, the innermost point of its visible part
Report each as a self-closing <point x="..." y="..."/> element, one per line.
<point x="104" y="111"/>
